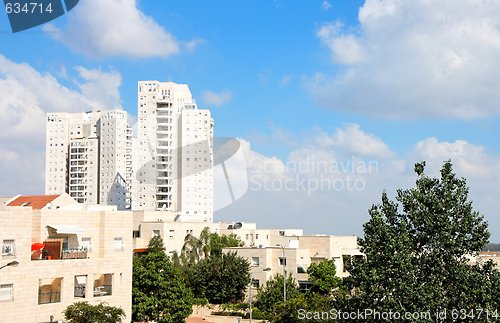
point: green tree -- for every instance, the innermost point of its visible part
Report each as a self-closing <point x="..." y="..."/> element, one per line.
<point x="294" y="309"/>
<point x="196" y="248"/>
<point x="83" y="312"/>
<point x="218" y="242"/>
<point x="270" y="296"/>
<point x="220" y="278"/>
<point x="270" y="302"/>
<point x="416" y="254"/>
<point x="159" y="292"/>
<point x="322" y="275"/>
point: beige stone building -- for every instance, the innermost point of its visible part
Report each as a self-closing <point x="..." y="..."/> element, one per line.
<point x="170" y="226"/>
<point x="263" y="247"/>
<point x="294" y="254"/>
<point x="173" y="228"/>
<point x="85" y="257"/>
<point x="484" y="256"/>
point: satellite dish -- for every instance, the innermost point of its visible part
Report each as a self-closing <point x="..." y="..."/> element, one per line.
<point x="237" y="225"/>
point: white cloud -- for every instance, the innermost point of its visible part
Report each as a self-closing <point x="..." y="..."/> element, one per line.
<point x="359" y="142"/>
<point x="21" y="170"/>
<point x="216" y="99"/>
<point x="469" y="159"/>
<point x="26" y="95"/>
<point x="326" y="5"/>
<point x="99" y="86"/>
<point x="411" y="59"/>
<point x="322" y="187"/>
<point x="193" y="44"/>
<point x="346" y="49"/>
<point x="114" y="28"/>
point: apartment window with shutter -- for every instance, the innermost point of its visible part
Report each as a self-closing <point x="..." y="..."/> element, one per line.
<point x="87" y="244"/>
<point x="49" y="290"/>
<point x="255" y="261"/>
<point x="6" y="292"/>
<point x="8" y="248"/>
<point x="282" y="261"/>
<point x="118" y="244"/>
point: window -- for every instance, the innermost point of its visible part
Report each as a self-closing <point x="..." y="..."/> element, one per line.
<point x="8" y="248"/>
<point x="87" y="244"/>
<point x="49" y="290"/>
<point x="171" y="234"/>
<point x="103" y="285"/>
<point x="282" y="261"/>
<point x="304" y="286"/>
<point x="65" y="244"/>
<point x="255" y="283"/>
<point x="118" y="244"/>
<point x="255" y="261"/>
<point x="136" y="234"/>
<point x="6" y="292"/>
<point x="156" y="233"/>
<point x="80" y="285"/>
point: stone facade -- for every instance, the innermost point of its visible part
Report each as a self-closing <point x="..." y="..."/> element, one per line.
<point x="96" y="264"/>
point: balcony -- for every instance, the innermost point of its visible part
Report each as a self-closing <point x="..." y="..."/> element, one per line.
<point x="74" y="254"/>
<point x="162" y="152"/>
<point x="63" y="255"/>
<point x="163" y="104"/>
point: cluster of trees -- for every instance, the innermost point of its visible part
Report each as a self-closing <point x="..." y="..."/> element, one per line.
<point x="83" y="312"/>
<point x="207" y="244"/>
<point x="325" y="291"/>
<point x="164" y="289"/>
<point x="417" y="250"/>
<point x="416" y="259"/>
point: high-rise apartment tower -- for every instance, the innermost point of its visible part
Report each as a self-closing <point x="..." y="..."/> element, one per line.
<point x="174" y="152"/>
<point x="89" y="156"/>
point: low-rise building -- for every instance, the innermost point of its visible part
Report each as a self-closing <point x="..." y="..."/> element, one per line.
<point x="65" y="252"/>
<point x="170" y="226"/>
<point x="484" y="256"/>
<point x="262" y="244"/>
<point x="294" y="254"/>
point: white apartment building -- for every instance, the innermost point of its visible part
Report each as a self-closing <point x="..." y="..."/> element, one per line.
<point x="174" y="152"/>
<point x="65" y="252"/>
<point x="89" y="156"/>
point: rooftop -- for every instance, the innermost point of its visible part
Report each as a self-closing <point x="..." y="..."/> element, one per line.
<point x="36" y="202"/>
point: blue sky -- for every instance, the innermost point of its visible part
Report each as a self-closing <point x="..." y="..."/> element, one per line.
<point x="388" y="81"/>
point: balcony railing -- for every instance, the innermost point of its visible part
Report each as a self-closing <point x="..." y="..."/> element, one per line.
<point x="74" y="254"/>
<point x="63" y="255"/>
